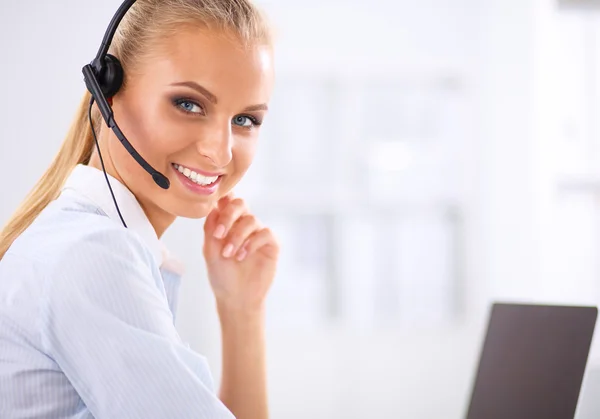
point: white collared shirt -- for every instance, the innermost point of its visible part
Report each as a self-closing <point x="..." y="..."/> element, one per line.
<point x="87" y="316"/>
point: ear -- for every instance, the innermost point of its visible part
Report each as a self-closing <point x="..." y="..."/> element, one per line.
<point x="109" y="100"/>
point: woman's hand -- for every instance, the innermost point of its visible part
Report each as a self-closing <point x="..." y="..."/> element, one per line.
<point x="241" y="256"/>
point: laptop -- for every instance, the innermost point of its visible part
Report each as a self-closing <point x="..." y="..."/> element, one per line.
<point x="532" y="362"/>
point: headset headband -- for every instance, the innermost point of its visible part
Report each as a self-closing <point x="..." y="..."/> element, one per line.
<point x="112" y="28"/>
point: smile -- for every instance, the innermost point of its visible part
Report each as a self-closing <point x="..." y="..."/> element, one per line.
<point x="194" y="176"/>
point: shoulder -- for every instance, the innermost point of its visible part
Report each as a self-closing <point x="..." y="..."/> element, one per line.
<point x="68" y="234"/>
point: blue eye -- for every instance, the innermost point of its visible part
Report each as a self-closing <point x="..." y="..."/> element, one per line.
<point x="188" y="106"/>
<point x="245" y="121"/>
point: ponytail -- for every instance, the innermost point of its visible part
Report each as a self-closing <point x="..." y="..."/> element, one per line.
<point x="76" y="149"/>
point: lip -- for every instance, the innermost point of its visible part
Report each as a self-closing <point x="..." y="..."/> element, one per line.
<point x="194" y="187"/>
<point x="199" y="171"/>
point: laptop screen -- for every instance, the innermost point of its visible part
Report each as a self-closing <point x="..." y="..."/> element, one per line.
<point x="532" y="362"/>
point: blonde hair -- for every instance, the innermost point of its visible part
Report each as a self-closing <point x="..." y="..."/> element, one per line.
<point x="145" y="24"/>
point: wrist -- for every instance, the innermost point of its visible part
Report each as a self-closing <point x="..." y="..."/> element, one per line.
<point x="231" y="312"/>
<point x="242" y="327"/>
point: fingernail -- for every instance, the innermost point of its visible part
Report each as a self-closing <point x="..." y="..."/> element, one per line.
<point x="242" y="254"/>
<point x="219" y="231"/>
<point x="228" y="250"/>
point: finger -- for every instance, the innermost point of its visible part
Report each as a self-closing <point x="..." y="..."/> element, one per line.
<point x="225" y="200"/>
<point x="210" y="223"/>
<point x="228" y="216"/>
<point x="243" y="252"/>
<point x="261" y="240"/>
<point x="240" y="231"/>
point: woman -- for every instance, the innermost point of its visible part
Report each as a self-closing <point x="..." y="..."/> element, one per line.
<point x="87" y="306"/>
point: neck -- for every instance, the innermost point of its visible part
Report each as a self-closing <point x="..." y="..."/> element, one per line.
<point x="159" y="219"/>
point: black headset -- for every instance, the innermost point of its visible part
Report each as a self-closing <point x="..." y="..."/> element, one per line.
<point x="103" y="78"/>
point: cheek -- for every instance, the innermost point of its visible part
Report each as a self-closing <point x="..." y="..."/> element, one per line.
<point x="168" y="137"/>
<point x="156" y="134"/>
<point x="243" y="155"/>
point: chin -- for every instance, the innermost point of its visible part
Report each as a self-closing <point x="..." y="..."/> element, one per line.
<point x="194" y="211"/>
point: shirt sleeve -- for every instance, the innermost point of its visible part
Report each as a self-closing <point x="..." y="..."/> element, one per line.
<point x="172" y="282"/>
<point x="108" y="325"/>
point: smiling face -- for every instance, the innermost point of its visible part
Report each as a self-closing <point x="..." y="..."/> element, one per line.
<point x="193" y="111"/>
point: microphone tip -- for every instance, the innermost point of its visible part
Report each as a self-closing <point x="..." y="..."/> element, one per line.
<point x="161" y="180"/>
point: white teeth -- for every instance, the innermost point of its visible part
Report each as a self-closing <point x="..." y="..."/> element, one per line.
<point x="195" y="177"/>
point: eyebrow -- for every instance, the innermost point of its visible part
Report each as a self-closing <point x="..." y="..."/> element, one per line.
<point x="213" y="99"/>
<point x="204" y="92"/>
<point x="261" y="107"/>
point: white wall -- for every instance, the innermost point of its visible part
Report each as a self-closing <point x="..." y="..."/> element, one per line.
<point x="503" y="50"/>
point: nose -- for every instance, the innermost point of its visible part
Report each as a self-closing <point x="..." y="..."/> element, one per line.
<point x="215" y="144"/>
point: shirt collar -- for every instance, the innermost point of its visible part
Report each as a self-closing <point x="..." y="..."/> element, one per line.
<point x="91" y="183"/>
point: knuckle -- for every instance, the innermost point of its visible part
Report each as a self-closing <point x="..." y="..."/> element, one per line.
<point x="236" y="236"/>
<point x="227" y="215"/>
<point x="269" y="235"/>
<point x="232" y="211"/>
<point x="249" y="219"/>
<point x="238" y="203"/>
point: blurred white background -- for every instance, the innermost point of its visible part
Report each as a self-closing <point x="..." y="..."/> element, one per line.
<point x="422" y="159"/>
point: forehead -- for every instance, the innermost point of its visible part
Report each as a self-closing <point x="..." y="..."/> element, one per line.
<point x="215" y="60"/>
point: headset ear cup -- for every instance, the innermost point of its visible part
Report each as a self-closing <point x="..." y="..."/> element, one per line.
<point x="111" y="76"/>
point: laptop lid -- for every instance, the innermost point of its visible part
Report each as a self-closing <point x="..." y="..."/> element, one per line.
<point x="532" y="362"/>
